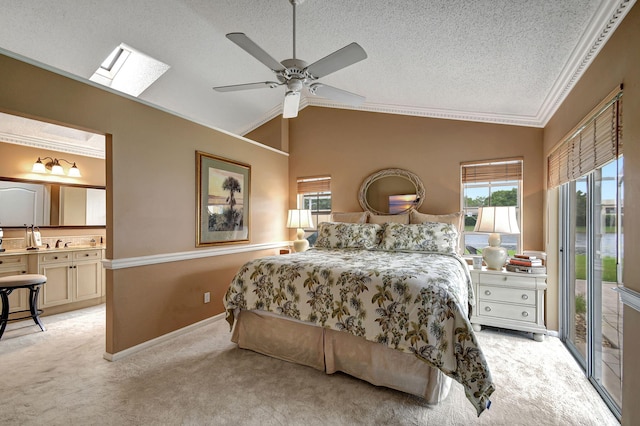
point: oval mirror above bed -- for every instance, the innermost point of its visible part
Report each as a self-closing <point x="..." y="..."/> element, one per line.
<point x="391" y="191"/>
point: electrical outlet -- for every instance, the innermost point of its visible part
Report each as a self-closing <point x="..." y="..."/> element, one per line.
<point x="207" y="297"/>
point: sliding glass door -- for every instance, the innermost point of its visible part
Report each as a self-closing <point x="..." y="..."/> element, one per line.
<point x="576" y="272"/>
<point x="591" y="258"/>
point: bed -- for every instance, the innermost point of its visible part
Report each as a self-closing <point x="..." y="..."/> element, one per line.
<point x="389" y="304"/>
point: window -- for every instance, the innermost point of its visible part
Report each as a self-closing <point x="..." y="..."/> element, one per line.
<point x="490" y="183"/>
<point x="314" y="193"/>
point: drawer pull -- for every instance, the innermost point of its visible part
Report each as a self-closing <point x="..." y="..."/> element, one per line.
<point x="504" y="278"/>
<point x="487" y="292"/>
<point x="86" y="254"/>
<point x="525" y="297"/>
<point x="55" y="257"/>
<point x="525" y="314"/>
<point x="1" y="262"/>
<point x="487" y="308"/>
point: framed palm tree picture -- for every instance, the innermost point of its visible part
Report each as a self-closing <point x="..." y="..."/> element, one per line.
<point x="223" y="200"/>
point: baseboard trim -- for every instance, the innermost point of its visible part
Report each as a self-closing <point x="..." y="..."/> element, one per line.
<point x="149" y="343"/>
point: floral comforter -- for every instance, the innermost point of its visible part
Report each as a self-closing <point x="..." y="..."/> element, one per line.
<point x="410" y="301"/>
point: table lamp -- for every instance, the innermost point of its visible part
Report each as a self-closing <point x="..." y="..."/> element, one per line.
<point x="496" y="221"/>
<point x="300" y="219"/>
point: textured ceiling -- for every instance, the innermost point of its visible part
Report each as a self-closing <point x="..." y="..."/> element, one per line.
<point x="496" y="61"/>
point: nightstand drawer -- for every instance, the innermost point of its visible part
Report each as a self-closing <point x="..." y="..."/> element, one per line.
<point x="505" y="311"/>
<point x="508" y="279"/>
<point x="505" y="294"/>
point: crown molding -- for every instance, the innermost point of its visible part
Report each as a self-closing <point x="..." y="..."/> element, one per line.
<point x="602" y="26"/>
<point x="52" y="145"/>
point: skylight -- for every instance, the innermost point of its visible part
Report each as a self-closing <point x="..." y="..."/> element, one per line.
<point x="129" y="70"/>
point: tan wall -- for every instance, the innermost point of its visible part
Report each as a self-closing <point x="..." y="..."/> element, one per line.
<point x="351" y="145"/>
<point x="273" y="133"/>
<point x="151" y="197"/>
<point x="618" y="62"/>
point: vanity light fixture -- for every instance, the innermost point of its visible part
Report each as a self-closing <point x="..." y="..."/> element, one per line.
<point x="54" y="166"/>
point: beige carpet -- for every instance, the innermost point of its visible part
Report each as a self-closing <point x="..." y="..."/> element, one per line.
<point x="200" y="378"/>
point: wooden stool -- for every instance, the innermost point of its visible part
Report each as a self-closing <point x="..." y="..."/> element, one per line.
<point x="31" y="281"/>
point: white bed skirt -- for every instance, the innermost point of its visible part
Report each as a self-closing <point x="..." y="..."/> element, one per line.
<point x="330" y="351"/>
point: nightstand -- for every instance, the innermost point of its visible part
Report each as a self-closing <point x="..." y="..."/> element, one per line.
<point x="509" y="300"/>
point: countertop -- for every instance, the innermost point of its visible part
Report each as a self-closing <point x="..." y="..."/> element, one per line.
<point x="52" y="250"/>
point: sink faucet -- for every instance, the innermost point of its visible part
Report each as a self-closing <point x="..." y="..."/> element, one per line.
<point x="66" y="244"/>
<point x="58" y="243"/>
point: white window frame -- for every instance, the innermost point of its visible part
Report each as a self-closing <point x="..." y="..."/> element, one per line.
<point x="489" y="185"/>
<point x="318" y="215"/>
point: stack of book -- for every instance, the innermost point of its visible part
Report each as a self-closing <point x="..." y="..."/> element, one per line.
<point x="526" y="264"/>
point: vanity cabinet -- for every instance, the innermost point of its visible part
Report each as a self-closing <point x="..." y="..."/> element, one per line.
<point x="15" y="265"/>
<point x="72" y="276"/>
<point x="509" y="300"/>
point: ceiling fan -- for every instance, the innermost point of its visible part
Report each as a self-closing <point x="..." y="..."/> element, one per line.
<point x="295" y="74"/>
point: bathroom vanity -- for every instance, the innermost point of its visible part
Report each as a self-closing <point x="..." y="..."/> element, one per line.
<point x="75" y="276"/>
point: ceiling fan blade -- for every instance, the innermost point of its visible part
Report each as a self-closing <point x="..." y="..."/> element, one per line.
<point x="247" y="86"/>
<point x="336" y="94"/>
<point x="342" y="58"/>
<point x="254" y="50"/>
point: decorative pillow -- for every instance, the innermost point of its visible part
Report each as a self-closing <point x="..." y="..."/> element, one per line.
<point x="388" y="218"/>
<point x="456" y="218"/>
<point x="429" y="236"/>
<point x="351" y="217"/>
<point x="348" y="235"/>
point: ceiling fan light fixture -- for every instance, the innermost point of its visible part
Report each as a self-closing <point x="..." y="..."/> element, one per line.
<point x="291" y="104"/>
<point x="296" y="74"/>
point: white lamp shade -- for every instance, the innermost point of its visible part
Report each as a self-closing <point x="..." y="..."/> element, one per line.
<point x="496" y="221"/>
<point x="74" y="171"/>
<point x="291" y="105"/>
<point x="57" y="169"/>
<point x="300" y="219"/>
<point x="500" y="220"/>
<point x="38" y="167"/>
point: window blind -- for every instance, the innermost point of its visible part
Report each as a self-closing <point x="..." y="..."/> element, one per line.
<point x="596" y="141"/>
<point x="494" y="171"/>
<point x="314" y="184"/>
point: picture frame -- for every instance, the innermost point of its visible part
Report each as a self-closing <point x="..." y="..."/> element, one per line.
<point x="223" y="197"/>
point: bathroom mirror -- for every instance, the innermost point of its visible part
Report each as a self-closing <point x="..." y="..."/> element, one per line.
<point x="391" y="191"/>
<point x="50" y="204"/>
